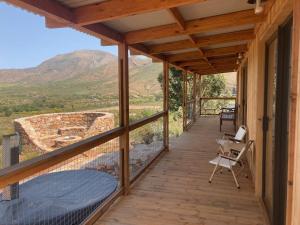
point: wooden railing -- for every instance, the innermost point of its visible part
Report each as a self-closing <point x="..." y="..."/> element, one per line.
<point x="216" y="104"/>
<point x="28" y="168"/>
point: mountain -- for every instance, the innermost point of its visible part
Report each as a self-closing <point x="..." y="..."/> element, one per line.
<point x="96" y="69"/>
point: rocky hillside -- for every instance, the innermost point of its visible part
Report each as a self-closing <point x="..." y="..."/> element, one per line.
<point x="83" y="66"/>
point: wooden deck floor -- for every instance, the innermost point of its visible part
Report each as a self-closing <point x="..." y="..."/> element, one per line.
<point x="175" y="190"/>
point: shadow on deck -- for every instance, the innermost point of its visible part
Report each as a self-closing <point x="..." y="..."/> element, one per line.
<point x="176" y="191"/>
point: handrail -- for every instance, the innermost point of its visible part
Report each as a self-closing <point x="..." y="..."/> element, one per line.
<point x="147" y="120"/>
<point x="202" y="99"/>
<point x="218" y="98"/>
<point x="191" y="101"/>
<point x="15" y="173"/>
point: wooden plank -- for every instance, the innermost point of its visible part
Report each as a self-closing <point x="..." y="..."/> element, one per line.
<point x="244" y="35"/>
<point x="117" y="9"/>
<point x="166" y="103"/>
<point x="293" y="176"/>
<point x="194" y="26"/>
<point x="30" y="167"/>
<point x="208" y="53"/>
<point x="124" y="115"/>
<point x="175" y="190"/>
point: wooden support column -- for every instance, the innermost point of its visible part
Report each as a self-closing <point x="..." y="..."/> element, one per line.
<point x="200" y="102"/>
<point x="194" y="96"/>
<point x="166" y="104"/>
<point x="293" y="187"/>
<point x="184" y="100"/>
<point x="124" y="116"/>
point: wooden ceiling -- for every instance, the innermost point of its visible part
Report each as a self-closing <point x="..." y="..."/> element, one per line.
<point x="203" y="45"/>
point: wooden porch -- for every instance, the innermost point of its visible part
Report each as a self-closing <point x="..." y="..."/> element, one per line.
<point x="175" y="190"/>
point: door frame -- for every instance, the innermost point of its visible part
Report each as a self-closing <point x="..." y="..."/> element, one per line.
<point x="282" y="121"/>
<point x="283" y="60"/>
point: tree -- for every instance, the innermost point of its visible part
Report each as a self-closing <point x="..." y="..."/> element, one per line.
<point x="175" y="88"/>
<point x="212" y="85"/>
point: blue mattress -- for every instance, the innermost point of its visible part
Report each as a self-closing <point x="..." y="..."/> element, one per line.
<point x="59" y="198"/>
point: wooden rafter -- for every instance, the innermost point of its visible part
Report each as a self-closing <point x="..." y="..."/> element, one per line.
<point x="207" y="72"/>
<point x="208" y="53"/>
<point x="177" y="17"/>
<point x="243" y="35"/>
<point x="55" y="11"/>
<point x="117" y="9"/>
<point x="181" y="23"/>
<point x="59" y="14"/>
<point x="194" y="26"/>
<point x="212" y="60"/>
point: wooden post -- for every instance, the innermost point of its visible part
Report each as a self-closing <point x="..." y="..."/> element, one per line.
<point x="200" y="97"/>
<point x="10" y="157"/>
<point x="293" y="186"/>
<point x="184" y="99"/>
<point x="166" y="104"/>
<point x="124" y="116"/>
<point x="194" y="97"/>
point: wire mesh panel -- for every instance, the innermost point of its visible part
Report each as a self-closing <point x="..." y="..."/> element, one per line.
<point x="67" y="193"/>
<point x="189" y="112"/>
<point x="213" y="106"/>
<point x="145" y="143"/>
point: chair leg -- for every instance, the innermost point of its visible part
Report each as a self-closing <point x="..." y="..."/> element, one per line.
<point x="235" y="179"/>
<point x="213" y="173"/>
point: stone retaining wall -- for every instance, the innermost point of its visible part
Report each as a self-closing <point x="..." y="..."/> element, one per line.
<point x="39" y="133"/>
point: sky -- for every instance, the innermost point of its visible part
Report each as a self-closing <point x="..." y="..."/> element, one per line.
<point x="26" y="42"/>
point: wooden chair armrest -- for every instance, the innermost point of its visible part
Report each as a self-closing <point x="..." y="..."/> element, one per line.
<point x="228" y="134"/>
<point x="233" y="139"/>
<point x="228" y="157"/>
<point x="234" y="151"/>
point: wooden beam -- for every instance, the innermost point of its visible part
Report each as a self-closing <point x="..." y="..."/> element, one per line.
<point x="194" y="98"/>
<point x="28" y="168"/>
<point x="124" y="115"/>
<point x="51" y="9"/>
<point x="194" y="26"/>
<point x="177" y="17"/>
<point x="117" y="9"/>
<point x="226" y="64"/>
<point x="184" y="100"/>
<point x="208" y="53"/>
<point x="166" y="104"/>
<point x="293" y="176"/>
<point x="55" y="11"/>
<point x="201" y="42"/>
<point x="198" y="62"/>
<point x="140" y="49"/>
<point x="51" y="23"/>
<point x="208" y="72"/>
<point x="226" y="51"/>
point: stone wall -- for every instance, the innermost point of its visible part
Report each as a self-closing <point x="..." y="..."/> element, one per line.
<point x="43" y="132"/>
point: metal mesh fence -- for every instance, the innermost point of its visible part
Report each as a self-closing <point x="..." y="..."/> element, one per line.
<point x="189" y="112"/>
<point x="67" y="193"/>
<point x="145" y="143"/>
<point x="214" y="106"/>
